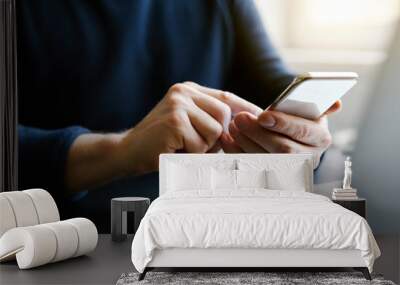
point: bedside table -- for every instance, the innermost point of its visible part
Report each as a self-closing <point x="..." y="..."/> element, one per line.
<point x="119" y="208"/>
<point x="357" y="206"/>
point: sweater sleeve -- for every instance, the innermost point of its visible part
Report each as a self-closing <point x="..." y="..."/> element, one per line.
<point x="42" y="157"/>
<point x="259" y="74"/>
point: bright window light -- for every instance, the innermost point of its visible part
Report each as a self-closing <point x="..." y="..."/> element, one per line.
<point x="342" y="13"/>
<point x="331" y="24"/>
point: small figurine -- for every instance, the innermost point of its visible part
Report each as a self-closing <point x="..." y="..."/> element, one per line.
<point x="347" y="173"/>
<point x="346" y="192"/>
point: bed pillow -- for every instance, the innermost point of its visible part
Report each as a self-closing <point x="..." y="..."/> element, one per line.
<point x="294" y="179"/>
<point x="224" y="179"/>
<point x="183" y="178"/>
<point x="251" y="178"/>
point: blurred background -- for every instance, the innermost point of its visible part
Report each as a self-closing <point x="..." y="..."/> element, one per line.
<point x="361" y="36"/>
<point x="340" y="35"/>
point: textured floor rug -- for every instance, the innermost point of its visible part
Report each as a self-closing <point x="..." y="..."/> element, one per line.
<point x="231" y="278"/>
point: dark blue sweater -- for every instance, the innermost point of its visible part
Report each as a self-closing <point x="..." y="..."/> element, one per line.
<point x="101" y="66"/>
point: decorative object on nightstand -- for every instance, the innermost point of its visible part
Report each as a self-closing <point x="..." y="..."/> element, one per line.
<point x="119" y="209"/>
<point x="358" y="205"/>
<point x="346" y="193"/>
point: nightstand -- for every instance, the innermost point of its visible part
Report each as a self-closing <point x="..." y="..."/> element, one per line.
<point x="358" y="206"/>
<point x="119" y="208"/>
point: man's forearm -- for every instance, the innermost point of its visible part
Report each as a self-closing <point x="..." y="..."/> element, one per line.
<point x="93" y="159"/>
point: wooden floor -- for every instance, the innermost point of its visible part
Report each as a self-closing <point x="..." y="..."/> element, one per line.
<point x="389" y="262"/>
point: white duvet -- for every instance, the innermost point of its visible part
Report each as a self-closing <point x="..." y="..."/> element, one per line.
<point x="250" y="219"/>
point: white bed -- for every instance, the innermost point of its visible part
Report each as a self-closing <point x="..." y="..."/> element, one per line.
<point x="208" y="226"/>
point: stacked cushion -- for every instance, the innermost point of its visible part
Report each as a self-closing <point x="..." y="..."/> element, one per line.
<point x="26" y="208"/>
<point x="41" y="244"/>
<point x="31" y="230"/>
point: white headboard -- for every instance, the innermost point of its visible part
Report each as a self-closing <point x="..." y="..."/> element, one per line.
<point x="230" y="161"/>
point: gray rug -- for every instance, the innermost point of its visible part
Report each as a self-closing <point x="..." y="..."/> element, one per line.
<point x="231" y="278"/>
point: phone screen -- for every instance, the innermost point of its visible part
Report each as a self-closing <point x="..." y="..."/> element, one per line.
<point x="312" y="97"/>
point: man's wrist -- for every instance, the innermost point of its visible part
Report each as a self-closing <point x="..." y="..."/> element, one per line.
<point x="119" y="153"/>
<point x="94" y="159"/>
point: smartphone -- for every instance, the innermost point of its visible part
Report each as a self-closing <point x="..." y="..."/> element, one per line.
<point x="311" y="94"/>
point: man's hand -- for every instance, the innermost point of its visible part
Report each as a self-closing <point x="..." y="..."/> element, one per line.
<point x="190" y="118"/>
<point x="186" y="119"/>
<point x="277" y="132"/>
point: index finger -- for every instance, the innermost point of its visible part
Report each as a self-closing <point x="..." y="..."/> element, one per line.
<point x="334" y="108"/>
<point x="236" y="103"/>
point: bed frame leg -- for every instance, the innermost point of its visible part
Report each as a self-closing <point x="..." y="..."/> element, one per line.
<point x="142" y="275"/>
<point x="364" y="271"/>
